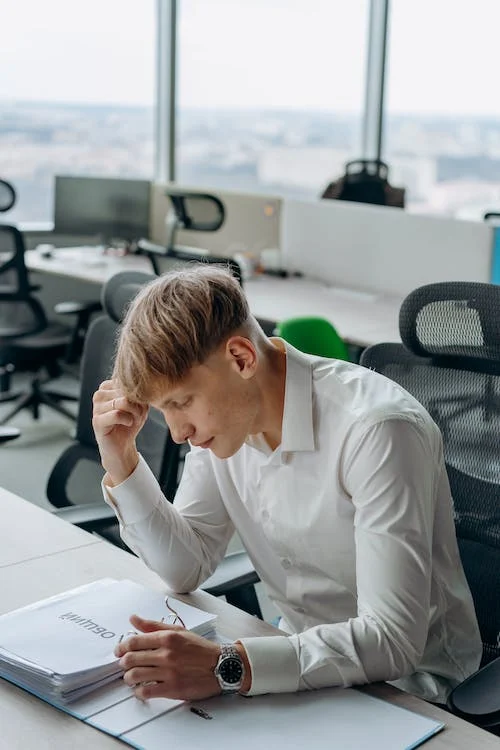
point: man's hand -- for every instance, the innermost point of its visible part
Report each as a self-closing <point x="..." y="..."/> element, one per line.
<point x="168" y="661"/>
<point x="116" y="422"/>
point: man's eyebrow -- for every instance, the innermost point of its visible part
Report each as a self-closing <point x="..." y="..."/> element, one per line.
<point x="166" y="402"/>
<point x="174" y="400"/>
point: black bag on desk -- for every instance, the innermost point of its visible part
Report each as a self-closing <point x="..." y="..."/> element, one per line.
<point x="366" y="181"/>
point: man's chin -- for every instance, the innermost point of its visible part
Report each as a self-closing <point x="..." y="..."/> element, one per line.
<point x="223" y="452"/>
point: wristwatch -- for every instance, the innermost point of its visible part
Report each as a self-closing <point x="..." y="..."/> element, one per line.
<point x="229" y="670"/>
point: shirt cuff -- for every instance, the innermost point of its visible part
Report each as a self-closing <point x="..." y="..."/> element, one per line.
<point x="133" y="499"/>
<point x="273" y="664"/>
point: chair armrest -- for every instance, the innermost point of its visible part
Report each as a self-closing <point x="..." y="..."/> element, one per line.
<point x="88" y="516"/>
<point x="477" y="698"/>
<point x="74" y="307"/>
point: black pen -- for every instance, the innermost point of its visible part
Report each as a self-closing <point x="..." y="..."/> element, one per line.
<point x="200" y="712"/>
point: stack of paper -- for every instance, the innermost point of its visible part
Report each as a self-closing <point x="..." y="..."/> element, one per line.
<point x="62" y="648"/>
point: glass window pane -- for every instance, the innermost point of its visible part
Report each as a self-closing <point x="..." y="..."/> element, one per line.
<point x="270" y="93"/>
<point x="442" y="133"/>
<point x="76" y="95"/>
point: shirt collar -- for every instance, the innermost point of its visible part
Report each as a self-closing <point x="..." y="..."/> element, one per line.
<point x="297" y="432"/>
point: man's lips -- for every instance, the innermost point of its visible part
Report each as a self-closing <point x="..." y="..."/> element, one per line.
<point x="205" y="444"/>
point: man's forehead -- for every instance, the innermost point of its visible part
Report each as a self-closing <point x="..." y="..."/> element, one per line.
<point x="163" y="390"/>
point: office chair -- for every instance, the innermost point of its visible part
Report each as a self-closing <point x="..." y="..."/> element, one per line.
<point x="366" y="181"/>
<point x="451" y="316"/>
<point x="197" y="212"/>
<point x="445" y="355"/>
<point x="8" y="196"/>
<point x="83" y="310"/>
<point x="27" y="340"/>
<point x="235" y="576"/>
<point x="313" y="336"/>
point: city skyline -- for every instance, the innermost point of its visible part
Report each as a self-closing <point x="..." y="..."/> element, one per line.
<point x="448" y="165"/>
<point x="255" y="108"/>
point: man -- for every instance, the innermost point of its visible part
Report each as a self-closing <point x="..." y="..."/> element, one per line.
<point x="332" y="475"/>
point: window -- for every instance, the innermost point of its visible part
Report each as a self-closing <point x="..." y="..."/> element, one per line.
<point x="270" y="93"/>
<point x="442" y="132"/>
<point x="76" y="95"/>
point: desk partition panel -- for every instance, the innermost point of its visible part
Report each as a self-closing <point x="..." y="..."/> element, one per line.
<point x="382" y="249"/>
<point x="252" y="222"/>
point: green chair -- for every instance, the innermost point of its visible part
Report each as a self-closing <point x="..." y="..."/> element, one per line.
<point x="313" y="336"/>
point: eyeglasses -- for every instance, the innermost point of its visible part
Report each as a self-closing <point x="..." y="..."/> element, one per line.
<point x="173" y="618"/>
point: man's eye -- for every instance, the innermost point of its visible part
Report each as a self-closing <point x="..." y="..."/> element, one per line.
<point x="185" y="403"/>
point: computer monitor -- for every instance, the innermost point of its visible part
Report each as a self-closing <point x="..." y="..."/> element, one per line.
<point x="114" y="208"/>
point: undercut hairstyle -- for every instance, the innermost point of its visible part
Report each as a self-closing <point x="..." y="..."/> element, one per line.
<point x="174" y="323"/>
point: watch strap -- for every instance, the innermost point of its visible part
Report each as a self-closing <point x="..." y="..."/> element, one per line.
<point x="229" y="651"/>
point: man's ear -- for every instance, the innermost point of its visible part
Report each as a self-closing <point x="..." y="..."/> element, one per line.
<point x="242" y="355"/>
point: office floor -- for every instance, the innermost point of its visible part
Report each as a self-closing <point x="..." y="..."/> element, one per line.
<point x="25" y="465"/>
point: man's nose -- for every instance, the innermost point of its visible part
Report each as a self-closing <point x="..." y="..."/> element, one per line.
<point x="181" y="432"/>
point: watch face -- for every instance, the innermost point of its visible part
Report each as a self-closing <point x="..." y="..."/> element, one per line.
<point x="231" y="670"/>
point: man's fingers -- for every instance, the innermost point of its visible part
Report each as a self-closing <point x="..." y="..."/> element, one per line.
<point x="149" y="626"/>
<point x="150" y="658"/>
<point x="150" y="640"/>
<point x="122" y="404"/>
<point x="110" y="419"/>
<point x="113" y="401"/>
<point x="137" y="675"/>
<point x="153" y="690"/>
<point x="109" y="385"/>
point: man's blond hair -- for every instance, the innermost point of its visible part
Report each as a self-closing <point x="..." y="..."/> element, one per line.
<point x="174" y="323"/>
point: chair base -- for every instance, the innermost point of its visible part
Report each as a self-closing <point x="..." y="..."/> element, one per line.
<point x="33" y="399"/>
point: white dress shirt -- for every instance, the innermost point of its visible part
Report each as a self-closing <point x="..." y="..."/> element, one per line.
<point x="349" y="523"/>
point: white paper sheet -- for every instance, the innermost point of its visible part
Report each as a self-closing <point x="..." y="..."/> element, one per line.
<point x="329" y="719"/>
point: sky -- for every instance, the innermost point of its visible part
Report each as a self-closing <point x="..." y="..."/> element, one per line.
<point x="298" y="54"/>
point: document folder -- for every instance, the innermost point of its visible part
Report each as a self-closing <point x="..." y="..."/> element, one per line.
<point x="62" y="647"/>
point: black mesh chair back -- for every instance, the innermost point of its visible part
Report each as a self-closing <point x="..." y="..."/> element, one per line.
<point x="17" y="307"/>
<point x="21" y="314"/>
<point x="365" y="181"/>
<point x="7" y="196"/>
<point x="450" y="361"/>
<point x="28" y="341"/>
<point x="198" y="212"/>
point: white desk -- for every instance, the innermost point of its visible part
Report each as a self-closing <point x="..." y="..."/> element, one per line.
<point x="85" y="264"/>
<point x="360" y="318"/>
<point x="72" y="557"/>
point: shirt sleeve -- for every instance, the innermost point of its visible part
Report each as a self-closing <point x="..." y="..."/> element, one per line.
<point x="183" y="542"/>
<point x="390" y="471"/>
